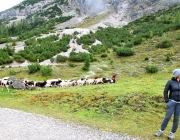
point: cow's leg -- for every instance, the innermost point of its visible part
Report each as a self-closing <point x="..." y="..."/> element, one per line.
<point x="2" y="87"/>
<point x="7" y="87"/>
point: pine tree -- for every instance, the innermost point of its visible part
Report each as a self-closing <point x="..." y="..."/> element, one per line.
<point x="86" y="63"/>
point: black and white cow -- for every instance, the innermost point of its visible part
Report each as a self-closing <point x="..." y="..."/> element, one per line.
<point x="40" y="84"/>
<point x="28" y="83"/>
<point x="5" y="82"/>
<point x="53" y="82"/>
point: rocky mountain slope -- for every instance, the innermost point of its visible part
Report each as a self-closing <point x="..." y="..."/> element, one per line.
<point x="119" y="12"/>
<point x="116" y="13"/>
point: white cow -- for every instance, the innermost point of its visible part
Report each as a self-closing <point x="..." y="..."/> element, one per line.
<point x="90" y="81"/>
<point x="64" y="83"/>
<point x="98" y="81"/>
<point x="81" y="82"/>
<point x="72" y="83"/>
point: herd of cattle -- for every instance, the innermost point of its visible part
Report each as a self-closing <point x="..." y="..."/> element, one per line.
<point x="27" y="84"/>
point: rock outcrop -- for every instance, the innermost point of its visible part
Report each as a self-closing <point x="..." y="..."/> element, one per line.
<point x="119" y="11"/>
<point x="16" y="83"/>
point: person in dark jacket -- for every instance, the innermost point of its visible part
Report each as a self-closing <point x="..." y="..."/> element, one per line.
<point x="172" y="99"/>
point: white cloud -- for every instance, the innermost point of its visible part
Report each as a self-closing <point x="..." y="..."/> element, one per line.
<point x="6" y="4"/>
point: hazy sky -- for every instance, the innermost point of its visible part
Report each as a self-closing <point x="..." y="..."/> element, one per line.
<point x="6" y="4"/>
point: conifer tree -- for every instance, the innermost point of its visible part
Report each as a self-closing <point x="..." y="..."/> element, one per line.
<point x="87" y="63"/>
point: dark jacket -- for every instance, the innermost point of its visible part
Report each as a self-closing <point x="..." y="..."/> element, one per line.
<point x="173" y="88"/>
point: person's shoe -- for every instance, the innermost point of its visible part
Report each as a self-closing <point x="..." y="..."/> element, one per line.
<point x="171" y="136"/>
<point x="159" y="133"/>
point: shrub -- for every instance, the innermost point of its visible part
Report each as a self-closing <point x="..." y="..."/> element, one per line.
<point x="86" y="63"/>
<point x="124" y="51"/>
<point x="151" y="69"/>
<point x="137" y="41"/>
<point x="178" y="38"/>
<point x="86" y="39"/>
<point x="61" y="58"/>
<point x="164" y="44"/>
<point x="46" y="70"/>
<point x="168" y="58"/>
<point x="72" y="65"/>
<point x="79" y="57"/>
<point x="52" y="60"/>
<point x="18" y="58"/>
<point x="47" y="48"/>
<point x="146" y="58"/>
<point x="75" y="33"/>
<point x="97" y="49"/>
<point x="129" y="44"/>
<point x="33" y="68"/>
<point x="104" y="55"/>
<point x="2" y="66"/>
<point x="14" y="43"/>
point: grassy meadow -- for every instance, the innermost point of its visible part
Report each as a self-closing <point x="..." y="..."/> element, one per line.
<point x="134" y="105"/>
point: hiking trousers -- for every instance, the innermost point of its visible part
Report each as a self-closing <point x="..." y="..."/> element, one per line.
<point x="171" y="107"/>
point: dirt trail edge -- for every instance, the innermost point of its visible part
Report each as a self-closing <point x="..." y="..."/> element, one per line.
<point x="19" y="125"/>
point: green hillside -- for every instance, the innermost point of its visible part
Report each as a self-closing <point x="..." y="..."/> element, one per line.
<point x="133" y="105"/>
<point x="120" y="40"/>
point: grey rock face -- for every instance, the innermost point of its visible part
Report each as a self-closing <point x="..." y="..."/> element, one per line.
<point x="127" y="9"/>
<point x="91" y="7"/>
<point x="123" y="10"/>
<point x="16" y="84"/>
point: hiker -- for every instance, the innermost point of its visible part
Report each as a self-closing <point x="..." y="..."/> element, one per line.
<point x="172" y="99"/>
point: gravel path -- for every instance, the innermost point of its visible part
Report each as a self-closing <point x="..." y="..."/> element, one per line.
<point x="19" y="125"/>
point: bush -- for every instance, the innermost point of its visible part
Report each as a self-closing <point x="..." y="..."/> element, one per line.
<point x="137" y="41"/>
<point x="86" y="63"/>
<point x="178" y="38"/>
<point x="2" y="66"/>
<point x="146" y="58"/>
<point x="104" y="55"/>
<point x="5" y="55"/>
<point x="129" y="45"/>
<point x="72" y="65"/>
<point x="164" y="44"/>
<point x="151" y="69"/>
<point x="46" y="70"/>
<point x="168" y="58"/>
<point x="86" y="39"/>
<point x="79" y="57"/>
<point x="14" y="44"/>
<point x="97" y="49"/>
<point x="18" y="58"/>
<point x="47" y="48"/>
<point x="124" y="51"/>
<point x="33" y="68"/>
<point x="61" y="58"/>
<point x="52" y="60"/>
